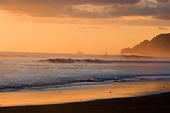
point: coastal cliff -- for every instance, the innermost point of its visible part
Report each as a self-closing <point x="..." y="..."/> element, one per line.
<point x="158" y="46"/>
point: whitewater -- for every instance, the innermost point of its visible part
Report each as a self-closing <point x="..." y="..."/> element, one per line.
<point x="38" y="71"/>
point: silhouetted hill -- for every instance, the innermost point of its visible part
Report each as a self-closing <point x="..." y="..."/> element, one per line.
<point x="158" y="46"/>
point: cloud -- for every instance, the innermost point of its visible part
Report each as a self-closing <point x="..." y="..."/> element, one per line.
<point x="69" y="2"/>
<point x="133" y="10"/>
<point x="159" y="11"/>
<point x="163" y="28"/>
<point x="88" y="8"/>
<point x="59" y="8"/>
<point x="162" y="1"/>
<point x="163" y="12"/>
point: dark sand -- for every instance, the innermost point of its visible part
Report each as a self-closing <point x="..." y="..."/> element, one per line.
<point x="159" y="103"/>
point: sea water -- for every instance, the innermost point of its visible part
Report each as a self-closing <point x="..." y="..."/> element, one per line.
<point x="39" y="71"/>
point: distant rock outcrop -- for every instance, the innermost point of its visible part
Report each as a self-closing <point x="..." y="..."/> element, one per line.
<point x="80" y="53"/>
<point x="158" y="46"/>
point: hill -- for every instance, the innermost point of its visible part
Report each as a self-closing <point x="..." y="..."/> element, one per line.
<point x="158" y="46"/>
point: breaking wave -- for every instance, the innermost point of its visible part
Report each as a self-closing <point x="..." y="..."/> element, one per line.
<point x="82" y="81"/>
<point x="101" y="61"/>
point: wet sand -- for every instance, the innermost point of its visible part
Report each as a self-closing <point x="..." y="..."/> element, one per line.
<point x="158" y="103"/>
<point x="81" y="93"/>
<point x="104" y="98"/>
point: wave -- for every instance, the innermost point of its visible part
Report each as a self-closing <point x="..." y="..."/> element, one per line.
<point x="71" y="82"/>
<point x="101" y="61"/>
<point x="84" y="81"/>
<point x="16" y="87"/>
<point x="61" y="83"/>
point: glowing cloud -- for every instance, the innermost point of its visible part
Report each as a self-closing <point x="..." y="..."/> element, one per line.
<point x="88" y="8"/>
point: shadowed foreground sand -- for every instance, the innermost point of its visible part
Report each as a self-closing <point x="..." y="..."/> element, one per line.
<point x="159" y="103"/>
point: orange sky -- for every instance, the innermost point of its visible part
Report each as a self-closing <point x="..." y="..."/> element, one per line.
<point x="91" y="26"/>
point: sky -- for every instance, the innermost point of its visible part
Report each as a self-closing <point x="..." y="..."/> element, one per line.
<point x="90" y="26"/>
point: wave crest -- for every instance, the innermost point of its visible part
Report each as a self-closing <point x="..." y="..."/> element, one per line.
<point x="57" y="60"/>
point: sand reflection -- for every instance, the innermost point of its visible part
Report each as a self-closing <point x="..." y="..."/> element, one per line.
<point x="82" y="93"/>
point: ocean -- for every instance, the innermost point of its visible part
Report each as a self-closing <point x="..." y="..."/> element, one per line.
<point x="42" y="71"/>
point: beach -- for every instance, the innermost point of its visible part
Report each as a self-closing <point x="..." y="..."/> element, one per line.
<point x="106" y="98"/>
<point x="158" y="103"/>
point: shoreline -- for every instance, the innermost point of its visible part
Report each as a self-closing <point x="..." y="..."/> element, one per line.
<point x="155" y="103"/>
<point x="83" y="93"/>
